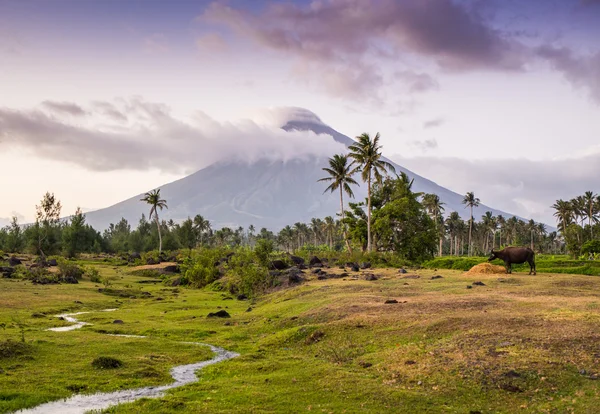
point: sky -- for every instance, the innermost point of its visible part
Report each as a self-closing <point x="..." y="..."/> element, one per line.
<point x="102" y="100"/>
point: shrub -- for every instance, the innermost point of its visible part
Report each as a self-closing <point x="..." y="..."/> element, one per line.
<point x="93" y="274"/>
<point x="12" y="349"/>
<point x="202" y="267"/>
<point x="106" y="363"/>
<point x="70" y="270"/>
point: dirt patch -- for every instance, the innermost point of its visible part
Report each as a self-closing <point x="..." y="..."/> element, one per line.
<point x="486" y="269"/>
<point x="154" y="266"/>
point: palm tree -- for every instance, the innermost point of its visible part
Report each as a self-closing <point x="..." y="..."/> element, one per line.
<point x="153" y="198"/>
<point x="315" y="226"/>
<point x="366" y="153"/>
<point x="340" y="174"/>
<point x="470" y="201"/>
<point x="501" y="221"/>
<point x="532" y="227"/>
<point x="202" y="226"/>
<point x="329" y="228"/>
<point x="434" y="207"/>
<point x="590" y="201"/>
<point x="489" y="224"/>
<point x="564" y="213"/>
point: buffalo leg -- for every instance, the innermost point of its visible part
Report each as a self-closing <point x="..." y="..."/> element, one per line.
<point x="532" y="267"/>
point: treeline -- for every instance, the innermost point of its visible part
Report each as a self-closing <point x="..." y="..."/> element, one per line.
<point x="579" y="223"/>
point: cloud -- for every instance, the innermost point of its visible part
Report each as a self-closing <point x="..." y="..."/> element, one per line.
<point x="425" y="145"/>
<point x="580" y="71"/>
<point x="149" y="137"/>
<point x="524" y="187"/>
<point x="433" y="123"/>
<point x="63" y="108"/>
<point x="338" y="44"/>
<point x="211" y="42"/>
<point x="156" y="43"/>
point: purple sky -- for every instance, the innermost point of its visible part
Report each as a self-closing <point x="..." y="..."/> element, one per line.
<point x="100" y="100"/>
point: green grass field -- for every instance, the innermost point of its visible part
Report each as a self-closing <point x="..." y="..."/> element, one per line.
<point x="519" y="343"/>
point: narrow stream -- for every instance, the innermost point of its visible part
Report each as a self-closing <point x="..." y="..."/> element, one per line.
<point x="79" y="404"/>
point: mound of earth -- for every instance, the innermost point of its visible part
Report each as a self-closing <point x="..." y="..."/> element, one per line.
<point x="486" y="269"/>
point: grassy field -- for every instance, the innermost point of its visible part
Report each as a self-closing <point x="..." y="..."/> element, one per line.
<point x="518" y="343"/>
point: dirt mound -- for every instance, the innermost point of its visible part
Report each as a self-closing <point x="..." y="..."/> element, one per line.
<point x="486" y="269"/>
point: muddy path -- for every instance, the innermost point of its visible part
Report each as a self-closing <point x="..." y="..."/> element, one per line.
<point x="81" y="403"/>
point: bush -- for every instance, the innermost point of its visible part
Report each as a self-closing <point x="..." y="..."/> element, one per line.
<point x="106" y="363"/>
<point x="12" y="349"/>
<point x="70" y="270"/>
<point x="202" y="267"/>
<point x="93" y="274"/>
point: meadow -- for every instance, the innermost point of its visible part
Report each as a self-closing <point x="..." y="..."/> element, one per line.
<point x="517" y="343"/>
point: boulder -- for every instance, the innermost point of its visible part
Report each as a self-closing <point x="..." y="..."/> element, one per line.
<point x="13" y="261"/>
<point x="390" y="301"/>
<point x="69" y="279"/>
<point x="365" y="265"/>
<point x="7" y="271"/>
<point x="297" y="260"/>
<point x="294" y="278"/>
<point x="278" y="265"/>
<point x="171" y="269"/>
<point x="479" y="283"/>
<point x="402" y="271"/>
<point x="152" y="261"/>
<point x="135" y="256"/>
<point x="370" y="276"/>
<point x="316" y="271"/>
<point x="52" y="262"/>
<point x="241" y="296"/>
<point x="118" y="322"/>
<point x="219" y="314"/>
<point x="315" y="261"/>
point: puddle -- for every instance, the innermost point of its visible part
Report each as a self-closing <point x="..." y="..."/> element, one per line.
<point x="79" y="404"/>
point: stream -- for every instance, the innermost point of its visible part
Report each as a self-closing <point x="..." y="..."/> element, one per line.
<point x="79" y="404"/>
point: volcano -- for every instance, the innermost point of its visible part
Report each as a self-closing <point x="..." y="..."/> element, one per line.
<point x="265" y="193"/>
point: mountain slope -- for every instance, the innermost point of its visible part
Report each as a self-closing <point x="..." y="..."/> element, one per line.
<point x="265" y="193"/>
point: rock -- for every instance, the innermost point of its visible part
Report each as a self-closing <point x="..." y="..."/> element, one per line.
<point x="13" y="261"/>
<point x="219" y="314"/>
<point x="69" y="279"/>
<point x="135" y="256"/>
<point x="321" y="277"/>
<point x="78" y="302"/>
<point x="278" y="265"/>
<point x="151" y="261"/>
<point x="365" y="364"/>
<point x="370" y="276"/>
<point x="436" y="277"/>
<point x="297" y="260"/>
<point x="390" y="301"/>
<point x="171" y="269"/>
<point x="118" y="322"/>
<point x="249" y="309"/>
<point x="294" y="278"/>
<point x="469" y="287"/>
<point x="302" y="266"/>
<point x="316" y="271"/>
<point x="241" y="296"/>
<point x="479" y="283"/>
<point x="315" y="261"/>
<point x="411" y="277"/>
<point x="409" y="362"/>
<point x="505" y="344"/>
<point x="365" y="265"/>
<point x="7" y="272"/>
<point x="402" y="271"/>
<point x="274" y="273"/>
<point x="52" y="262"/>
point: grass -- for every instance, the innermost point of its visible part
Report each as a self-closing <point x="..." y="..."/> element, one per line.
<point x="519" y="343"/>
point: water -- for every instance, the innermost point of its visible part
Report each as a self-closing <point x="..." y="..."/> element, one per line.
<point x="78" y="404"/>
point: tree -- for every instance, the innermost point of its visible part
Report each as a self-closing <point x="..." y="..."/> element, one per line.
<point x="202" y="226"/>
<point x="153" y="198"/>
<point x="329" y="229"/>
<point x="14" y="237"/>
<point x="590" y="201"/>
<point x="74" y="235"/>
<point x="47" y="218"/>
<point x="470" y="201"/>
<point x="564" y="213"/>
<point x="366" y="153"/>
<point x="340" y="174"/>
<point x="434" y="207"/>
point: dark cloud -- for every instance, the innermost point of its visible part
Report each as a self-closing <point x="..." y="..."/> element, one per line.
<point x="341" y="39"/>
<point x="152" y="138"/>
<point x="580" y="71"/>
<point x="64" y="108"/>
<point x="524" y="187"/>
<point x="433" y="123"/>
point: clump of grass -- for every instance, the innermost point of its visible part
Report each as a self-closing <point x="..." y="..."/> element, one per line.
<point x="93" y="274"/>
<point x="12" y="349"/>
<point x="106" y="363"/>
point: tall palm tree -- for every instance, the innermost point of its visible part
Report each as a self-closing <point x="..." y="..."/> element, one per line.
<point x="590" y="201"/>
<point x="564" y="213"/>
<point x="153" y="198"/>
<point x="501" y="221"/>
<point x="366" y="153"/>
<point x="470" y="201"/>
<point x="434" y="207"/>
<point x="329" y="229"/>
<point x="340" y="174"/>
<point x="202" y="226"/>
<point x="489" y="224"/>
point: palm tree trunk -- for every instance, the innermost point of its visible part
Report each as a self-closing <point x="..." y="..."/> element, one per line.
<point x="470" y="230"/>
<point x="343" y="224"/>
<point x="369" y="247"/>
<point x="159" y="236"/>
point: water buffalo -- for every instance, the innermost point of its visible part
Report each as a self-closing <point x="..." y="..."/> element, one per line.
<point x="516" y="255"/>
